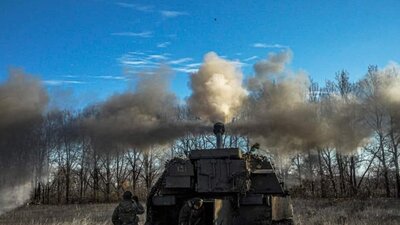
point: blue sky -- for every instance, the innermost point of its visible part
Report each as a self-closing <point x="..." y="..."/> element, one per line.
<point x="87" y="47"/>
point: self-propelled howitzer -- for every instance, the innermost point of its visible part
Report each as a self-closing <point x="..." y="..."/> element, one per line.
<point x="237" y="188"/>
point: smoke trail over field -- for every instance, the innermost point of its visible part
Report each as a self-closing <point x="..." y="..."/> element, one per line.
<point x="217" y="89"/>
<point x="282" y="116"/>
<point x="22" y="102"/>
<point x="345" y="128"/>
<point x="145" y="116"/>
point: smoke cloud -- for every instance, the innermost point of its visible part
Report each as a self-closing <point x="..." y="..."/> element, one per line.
<point x="22" y="102"/>
<point x="345" y="128"/>
<point x="390" y="83"/>
<point x="281" y="115"/>
<point x="266" y="69"/>
<point x="217" y="88"/>
<point x="272" y="107"/>
<point x="381" y="90"/>
<point x="146" y="116"/>
<point x="13" y="196"/>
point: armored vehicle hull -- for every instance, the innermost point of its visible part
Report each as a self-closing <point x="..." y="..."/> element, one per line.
<point x="237" y="189"/>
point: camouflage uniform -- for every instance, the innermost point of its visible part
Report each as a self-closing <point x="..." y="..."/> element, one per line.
<point x="126" y="213"/>
<point x="191" y="216"/>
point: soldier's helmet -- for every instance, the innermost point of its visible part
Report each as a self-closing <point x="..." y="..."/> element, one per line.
<point x="197" y="202"/>
<point x="127" y="195"/>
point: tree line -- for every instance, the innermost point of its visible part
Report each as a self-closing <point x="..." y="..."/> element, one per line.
<point x="71" y="167"/>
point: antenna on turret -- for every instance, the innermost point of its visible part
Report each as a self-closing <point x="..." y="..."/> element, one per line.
<point x="219" y="130"/>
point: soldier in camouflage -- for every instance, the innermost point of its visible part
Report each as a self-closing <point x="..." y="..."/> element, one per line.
<point x="192" y="212"/>
<point x="127" y="210"/>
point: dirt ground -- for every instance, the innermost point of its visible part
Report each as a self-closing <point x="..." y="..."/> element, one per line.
<point x="307" y="212"/>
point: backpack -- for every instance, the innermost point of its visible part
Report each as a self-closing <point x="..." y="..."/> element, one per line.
<point x="127" y="213"/>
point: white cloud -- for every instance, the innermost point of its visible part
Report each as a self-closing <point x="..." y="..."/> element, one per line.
<point x="108" y="77"/>
<point x="157" y="57"/>
<point x="62" y="82"/>
<point x="264" y="45"/>
<point x="172" y="14"/>
<point x="70" y="76"/>
<point x="143" y="8"/>
<point x="144" y="34"/>
<point x="185" y="70"/>
<point x="134" y="62"/>
<point x="140" y="60"/>
<point x="137" y="53"/>
<point x="180" y="61"/>
<point x="250" y="58"/>
<point x="163" y="44"/>
<point x="192" y="65"/>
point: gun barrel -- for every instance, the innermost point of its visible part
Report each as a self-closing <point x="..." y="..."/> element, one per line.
<point x="219" y="130"/>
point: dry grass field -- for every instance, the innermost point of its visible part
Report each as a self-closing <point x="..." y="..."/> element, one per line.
<point x="347" y="212"/>
<point x="93" y="214"/>
<point x="307" y="212"/>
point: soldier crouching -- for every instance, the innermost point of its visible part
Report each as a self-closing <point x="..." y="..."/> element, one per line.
<point x="127" y="210"/>
<point x="192" y="212"/>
